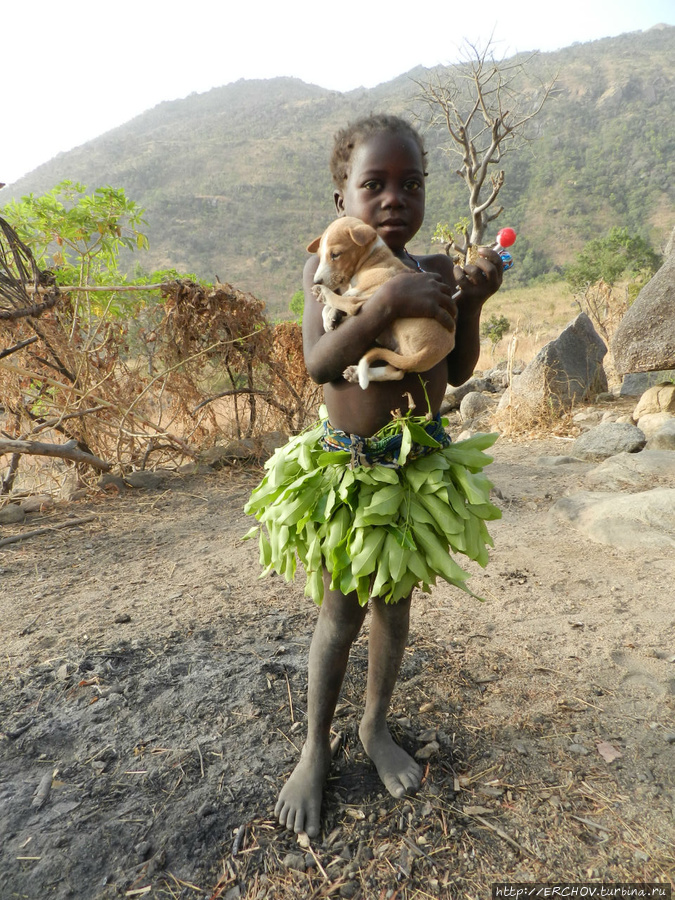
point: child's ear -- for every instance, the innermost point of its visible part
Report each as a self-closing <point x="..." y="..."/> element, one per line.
<point x="314" y="246"/>
<point x="339" y="201"/>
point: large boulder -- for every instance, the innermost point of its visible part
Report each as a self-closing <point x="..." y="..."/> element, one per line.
<point x="645" y="338"/>
<point x="631" y="521"/>
<point x="566" y="371"/>
<point x="633" y="472"/>
<point x="658" y="399"/>
<point x="607" y="440"/>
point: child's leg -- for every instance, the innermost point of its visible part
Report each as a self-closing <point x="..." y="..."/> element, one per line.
<point x="388" y="636"/>
<point x="340" y="620"/>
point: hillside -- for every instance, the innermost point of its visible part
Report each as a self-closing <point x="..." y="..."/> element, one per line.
<point x="235" y="181"/>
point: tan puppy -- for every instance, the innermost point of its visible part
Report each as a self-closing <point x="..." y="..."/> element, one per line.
<point x="352" y="258"/>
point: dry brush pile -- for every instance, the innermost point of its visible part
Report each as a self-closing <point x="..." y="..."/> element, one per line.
<point x="198" y="366"/>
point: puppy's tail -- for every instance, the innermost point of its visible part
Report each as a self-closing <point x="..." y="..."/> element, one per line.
<point x="397" y="364"/>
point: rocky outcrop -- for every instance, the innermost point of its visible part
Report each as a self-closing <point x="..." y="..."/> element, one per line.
<point x="566" y="371"/>
<point x="643" y="520"/>
<point x="645" y="339"/>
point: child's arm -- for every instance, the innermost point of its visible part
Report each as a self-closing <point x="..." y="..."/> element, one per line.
<point x="327" y="354"/>
<point x="477" y="283"/>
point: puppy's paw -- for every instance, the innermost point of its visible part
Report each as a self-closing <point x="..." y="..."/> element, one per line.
<point x="351" y="374"/>
<point x="317" y="290"/>
<point x="331" y="318"/>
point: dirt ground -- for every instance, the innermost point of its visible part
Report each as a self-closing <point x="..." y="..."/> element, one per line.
<point x="152" y="702"/>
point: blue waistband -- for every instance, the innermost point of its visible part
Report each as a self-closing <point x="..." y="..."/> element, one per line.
<point x="383" y="451"/>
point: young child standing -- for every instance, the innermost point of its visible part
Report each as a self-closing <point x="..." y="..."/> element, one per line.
<point x="378" y="167"/>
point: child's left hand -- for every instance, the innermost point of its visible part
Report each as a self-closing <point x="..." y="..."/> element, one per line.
<point x="482" y="280"/>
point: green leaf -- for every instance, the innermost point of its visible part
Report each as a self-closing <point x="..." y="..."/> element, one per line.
<point x="365" y="561"/>
<point x="406" y="443"/>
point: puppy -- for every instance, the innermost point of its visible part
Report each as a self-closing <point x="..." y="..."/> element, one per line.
<point x="353" y="259"/>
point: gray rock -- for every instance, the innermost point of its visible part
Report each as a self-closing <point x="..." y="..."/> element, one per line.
<point x="455" y="395"/>
<point x="645" y="338"/>
<point x="578" y="749"/>
<point x="145" y="480"/>
<point x="12" y="514"/>
<point x="633" y="471"/>
<point x="636" y="383"/>
<point x="237" y="451"/>
<point x="295" y="861"/>
<point x="474" y="404"/>
<point x="271" y="441"/>
<point x="37" y="503"/>
<point x="109" y="480"/>
<point x="650" y="423"/>
<point x="608" y="439"/>
<point x="565" y="371"/>
<point x="645" y="520"/>
<point x="663" y="438"/>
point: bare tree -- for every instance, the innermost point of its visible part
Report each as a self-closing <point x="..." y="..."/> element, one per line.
<point x="487" y="106"/>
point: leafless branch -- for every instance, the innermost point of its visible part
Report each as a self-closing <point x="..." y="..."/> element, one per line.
<point x="69" y="450"/>
<point x="486" y="106"/>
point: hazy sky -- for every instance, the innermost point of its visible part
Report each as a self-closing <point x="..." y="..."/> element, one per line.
<point x="72" y="71"/>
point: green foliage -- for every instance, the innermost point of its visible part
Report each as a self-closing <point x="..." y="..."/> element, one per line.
<point x="608" y="258"/>
<point x="80" y="235"/>
<point x="445" y="234"/>
<point x="297" y="305"/>
<point x="83" y="232"/>
<point x="495" y="328"/>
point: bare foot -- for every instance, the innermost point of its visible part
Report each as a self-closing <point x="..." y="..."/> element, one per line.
<point x="398" y="771"/>
<point x="299" y="805"/>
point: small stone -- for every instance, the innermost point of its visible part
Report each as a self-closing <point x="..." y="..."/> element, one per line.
<point x="144" y="850"/>
<point x="64" y="671"/>
<point x="520" y="748"/>
<point x="431" y="749"/>
<point x="12" y="514"/>
<point x="670" y="737"/>
<point x="349" y="889"/>
<point x="294" y="861"/>
<point x="38" y="503"/>
<point x="234" y="893"/>
<point x="577" y="749"/>
<point x="122" y="619"/>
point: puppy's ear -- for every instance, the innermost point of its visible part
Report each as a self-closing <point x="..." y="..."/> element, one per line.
<point x="362" y="234"/>
<point x="314" y="246"/>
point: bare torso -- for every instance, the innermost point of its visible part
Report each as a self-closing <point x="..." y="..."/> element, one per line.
<point x="356" y="411"/>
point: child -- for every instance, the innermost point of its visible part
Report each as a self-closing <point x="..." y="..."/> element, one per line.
<point x="378" y="169"/>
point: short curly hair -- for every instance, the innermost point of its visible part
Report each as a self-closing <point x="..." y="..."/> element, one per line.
<point x="348" y="138"/>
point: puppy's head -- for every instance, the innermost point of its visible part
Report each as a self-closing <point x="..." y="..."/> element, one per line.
<point x="341" y="248"/>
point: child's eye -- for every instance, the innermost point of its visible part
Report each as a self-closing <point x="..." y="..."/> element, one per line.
<point x="372" y="185"/>
<point x="413" y="185"/>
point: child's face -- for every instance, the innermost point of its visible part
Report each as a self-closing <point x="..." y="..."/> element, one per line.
<point x="385" y="187"/>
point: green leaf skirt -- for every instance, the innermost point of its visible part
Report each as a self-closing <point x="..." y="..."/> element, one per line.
<point x="377" y="530"/>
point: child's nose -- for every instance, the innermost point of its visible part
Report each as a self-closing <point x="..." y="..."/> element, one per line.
<point x="392" y="198"/>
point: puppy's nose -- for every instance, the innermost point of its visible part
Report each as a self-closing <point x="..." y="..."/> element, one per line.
<point x="318" y="280"/>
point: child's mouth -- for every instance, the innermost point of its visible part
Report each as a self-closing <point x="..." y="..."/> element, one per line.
<point x="393" y="224"/>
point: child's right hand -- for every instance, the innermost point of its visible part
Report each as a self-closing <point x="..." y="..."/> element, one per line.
<point x="419" y="294"/>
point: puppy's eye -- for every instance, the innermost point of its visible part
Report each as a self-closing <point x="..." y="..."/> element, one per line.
<point x="334" y="254"/>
